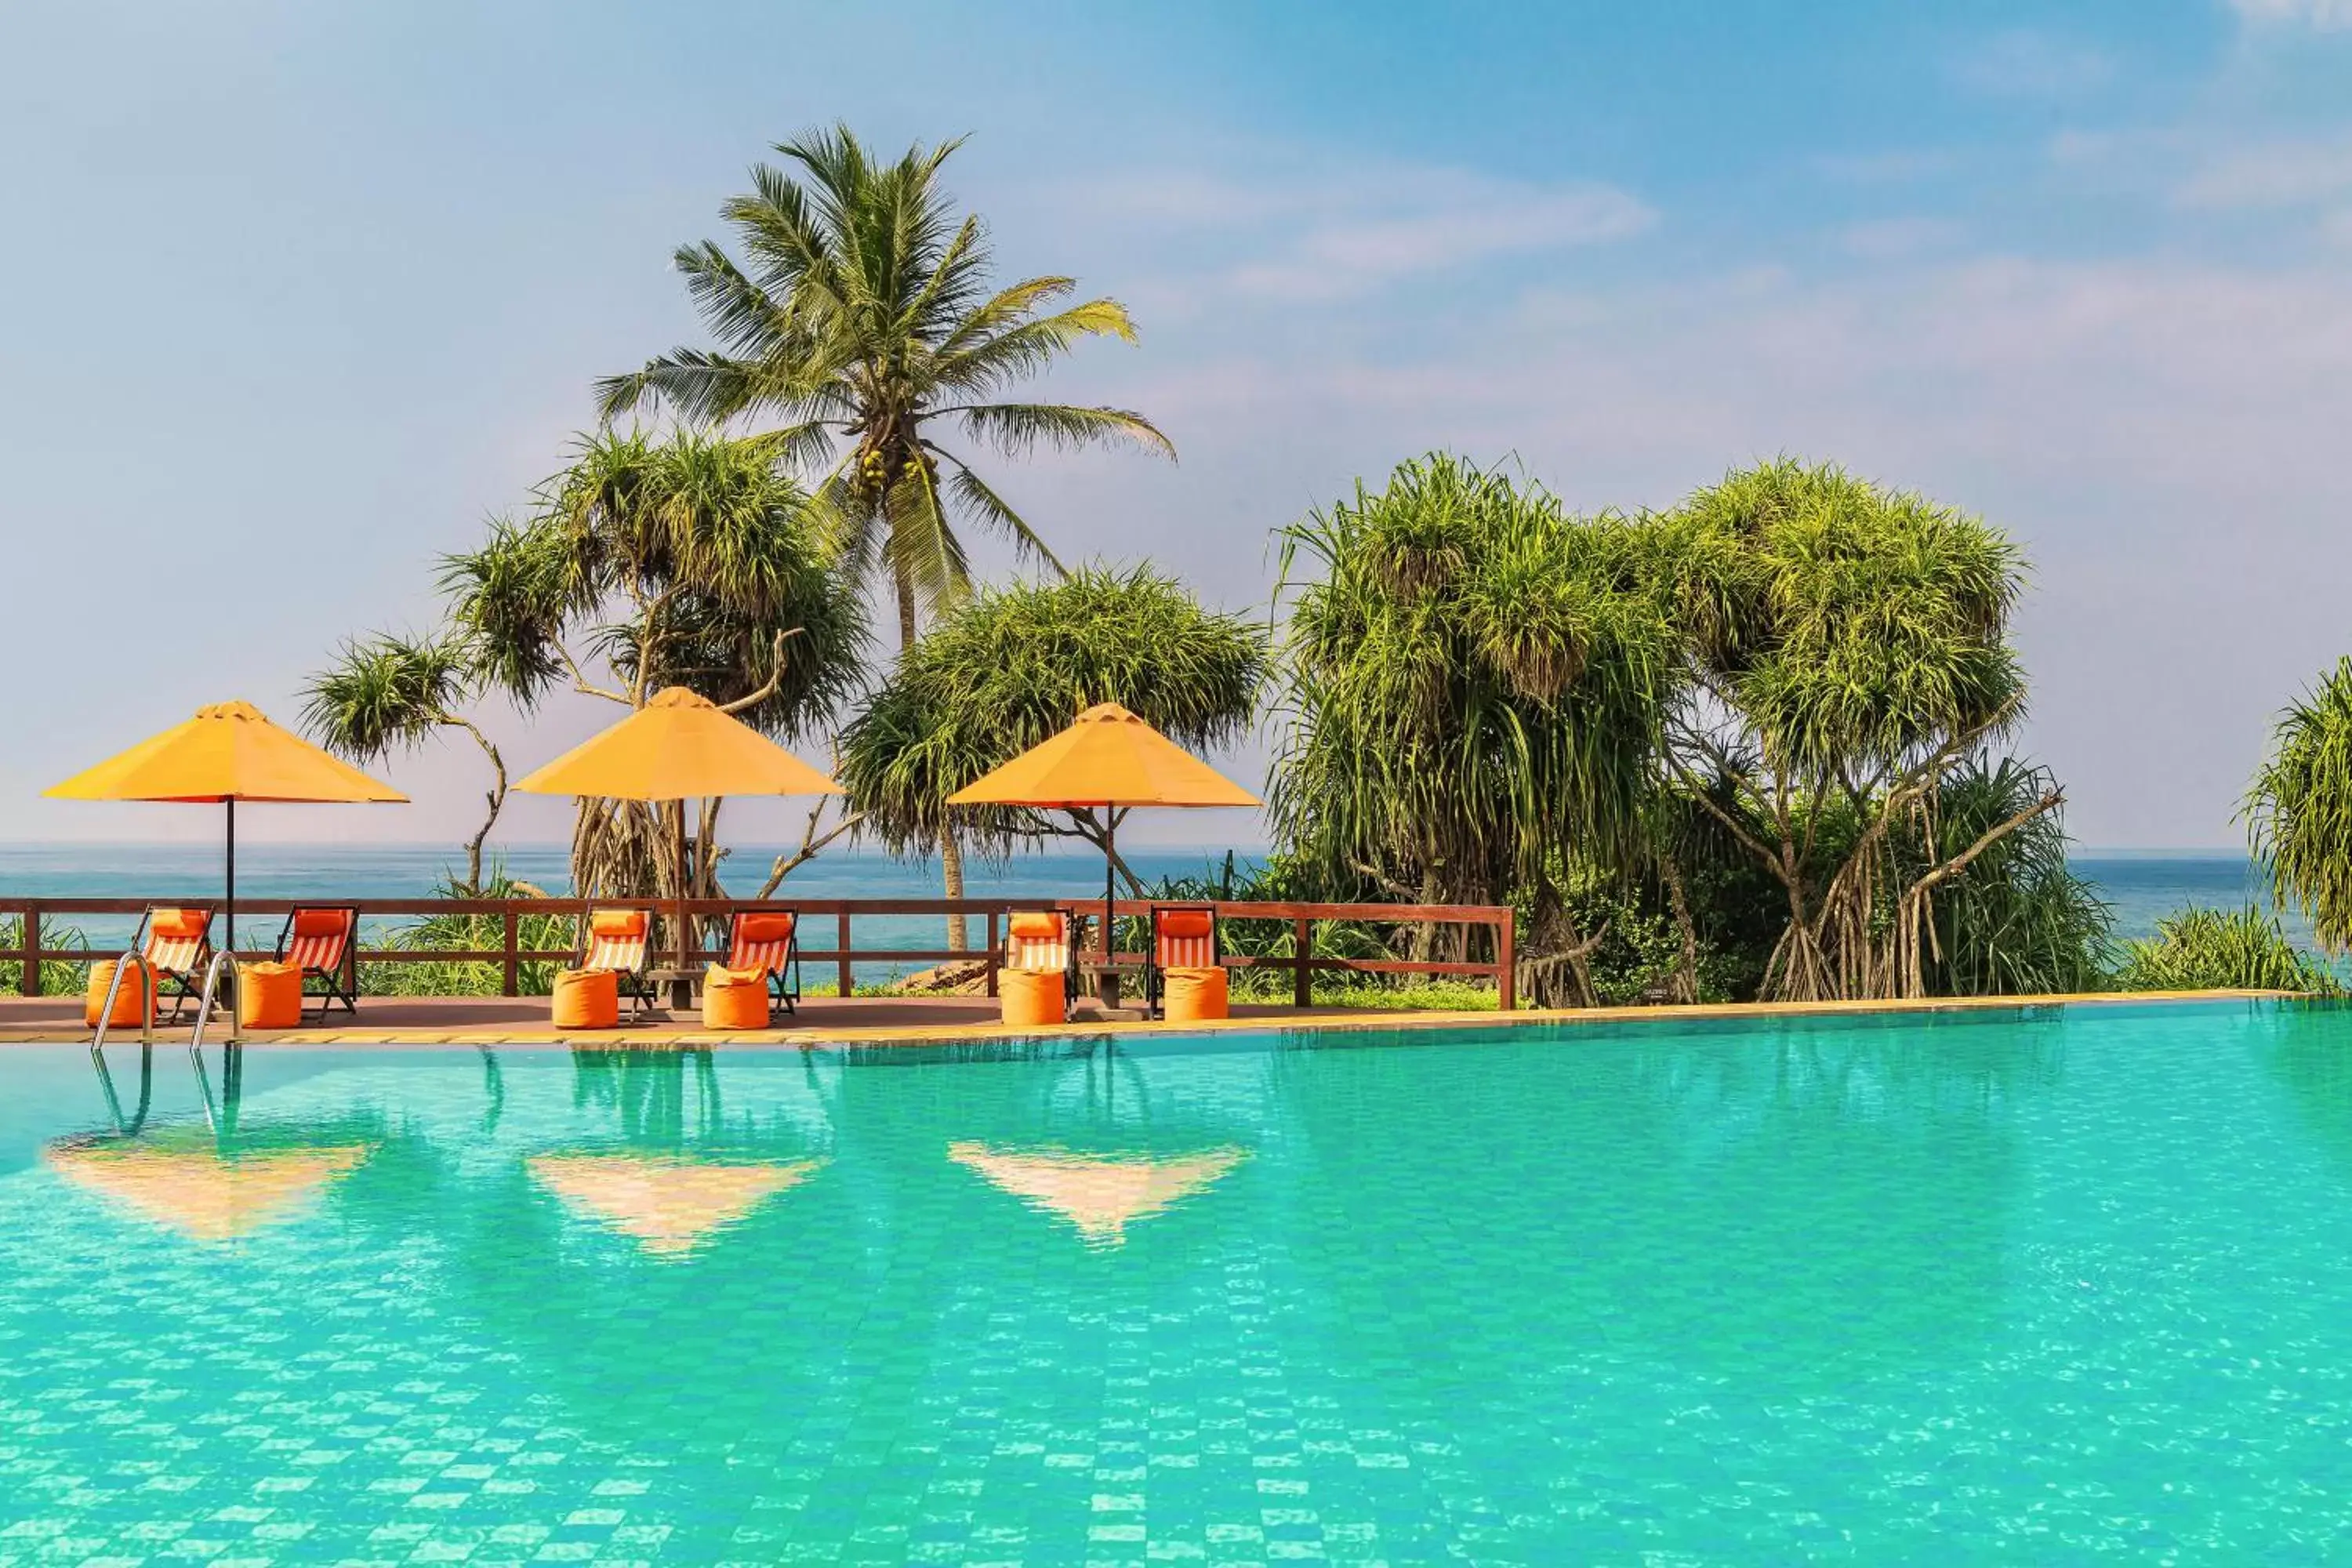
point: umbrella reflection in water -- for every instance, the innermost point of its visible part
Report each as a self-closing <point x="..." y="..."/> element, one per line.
<point x="1093" y="1173"/>
<point x="687" y="1190"/>
<point x="214" y="1183"/>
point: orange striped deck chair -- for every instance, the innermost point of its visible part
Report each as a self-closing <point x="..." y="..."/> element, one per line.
<point x="178" y="944"/>
<point x="1039" y="940"/>
<point x="317" y="940"/>
<point x="769" y="941"/>
<point x="1183" y="936"/>
<point x="616" y="940"/>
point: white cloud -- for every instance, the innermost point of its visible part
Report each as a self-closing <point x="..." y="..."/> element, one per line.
<point x="1302" y="233"/>
<point x="1351" y="257"/>
<point x="2023" y="63"/>
<point x="2327" y="15"/>
<point x="2274" y="175"/>
<point x="1889" y="240"/>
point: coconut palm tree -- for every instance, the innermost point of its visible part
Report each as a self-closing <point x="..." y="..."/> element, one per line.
<point x="861" y="318"/>
<point x="384" y="694"/>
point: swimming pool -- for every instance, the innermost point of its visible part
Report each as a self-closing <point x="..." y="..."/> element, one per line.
<point x="2027" y="1285"/>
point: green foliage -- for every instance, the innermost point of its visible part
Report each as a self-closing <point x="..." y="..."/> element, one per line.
<point x="1012" y="666"/>
<point x="384" y="694"/>
<point x="58" y="978"/>
<point x="1847" y="650"/>
<point x="475" y="934"/>
<point x="861" y="306"/>
<point x="690" y="560"/>
<point x="1848" y="628"/>
<point x="2018" y="921"/>
<point x="2212" y="949"/>
<point x="1474" y="681"/>
<point x="2299" y="811"/>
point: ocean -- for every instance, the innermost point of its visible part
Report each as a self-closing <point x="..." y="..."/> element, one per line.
<point x="2140" y="885"/>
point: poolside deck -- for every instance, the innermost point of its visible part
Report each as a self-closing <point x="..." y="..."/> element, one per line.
<point x="523" y="1021"/>
<point x="881" y="1020"/>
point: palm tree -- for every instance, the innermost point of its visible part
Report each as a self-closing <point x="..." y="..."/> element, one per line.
<point x="687" y="561"/>
<point x="861" y="311"/>
<point x="386" y="694"/>
<point x="1010" y="668"/>
<point x="1847" y="654"/>
<point x="2299" y="810"/>
<point x="1474" y="682"/>
<point x="861" y="314"/>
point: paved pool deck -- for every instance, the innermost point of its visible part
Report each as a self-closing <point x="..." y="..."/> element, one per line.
<point x="881" y="1020"/>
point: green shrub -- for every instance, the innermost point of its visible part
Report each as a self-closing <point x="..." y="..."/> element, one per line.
<point x="460" y="933"/>
<point x="57" y="978"/>
<point x="2222" y="950"/>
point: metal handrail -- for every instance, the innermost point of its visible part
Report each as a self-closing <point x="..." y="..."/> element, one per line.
<point x="221" y="960"/>
<point x="132" y="961"/>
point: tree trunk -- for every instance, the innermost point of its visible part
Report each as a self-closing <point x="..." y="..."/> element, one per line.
<point x="950" y="852"/>
<point x="951" y="873"/>
<point x="1686" y="976"/>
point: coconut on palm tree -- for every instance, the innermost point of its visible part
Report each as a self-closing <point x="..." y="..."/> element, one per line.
<point x="862" y="321"/>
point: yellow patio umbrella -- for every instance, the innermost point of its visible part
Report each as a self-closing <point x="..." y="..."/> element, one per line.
<point x="1109" y="759"/>
<point x="227" y="752"/>
<point x="679" y="745"/>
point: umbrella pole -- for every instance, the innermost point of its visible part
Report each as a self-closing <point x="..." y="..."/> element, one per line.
<point x="683" y="941"/>
<point x="1110" y="863"/>
<point x="228" y="889"/>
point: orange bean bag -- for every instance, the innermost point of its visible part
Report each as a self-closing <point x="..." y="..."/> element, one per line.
<point x="1193" y="995"/>
<point x="734" y="998"/>
<point x="268" y="996"/>
<point x="130" y="1004"/>
<point x="587" y="999"/>
<point x="1031" y="996"/>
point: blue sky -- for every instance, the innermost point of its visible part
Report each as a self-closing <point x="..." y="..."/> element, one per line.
<point x="295" y="295"/>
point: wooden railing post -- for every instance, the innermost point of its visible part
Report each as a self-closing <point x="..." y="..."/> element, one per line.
<point x="31" y="931"/>
<point x="995" y="950"/>
<point x="1302" y="973"/>
<point x="841" y="943"/>
<point x="512" y="921"/>
<point x="1506" y="972"/>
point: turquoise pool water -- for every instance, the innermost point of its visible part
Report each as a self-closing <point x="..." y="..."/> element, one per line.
<point x="2037" y="1288"/>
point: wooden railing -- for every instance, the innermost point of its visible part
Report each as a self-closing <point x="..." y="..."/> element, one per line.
<point x="815" y="915"/>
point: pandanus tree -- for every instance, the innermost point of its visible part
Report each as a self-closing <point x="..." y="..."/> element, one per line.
<point x="387" y="693"/>
<point x="1012" y="667"/>
<point x="690" y="560"/>
<point x="2299" y="811"/>
<point x="860" y="324"/>
<point x="1848" y="650"/>
<point x="1475" y="683"/>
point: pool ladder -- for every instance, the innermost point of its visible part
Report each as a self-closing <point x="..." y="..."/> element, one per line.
<point x="223" y="963"/>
